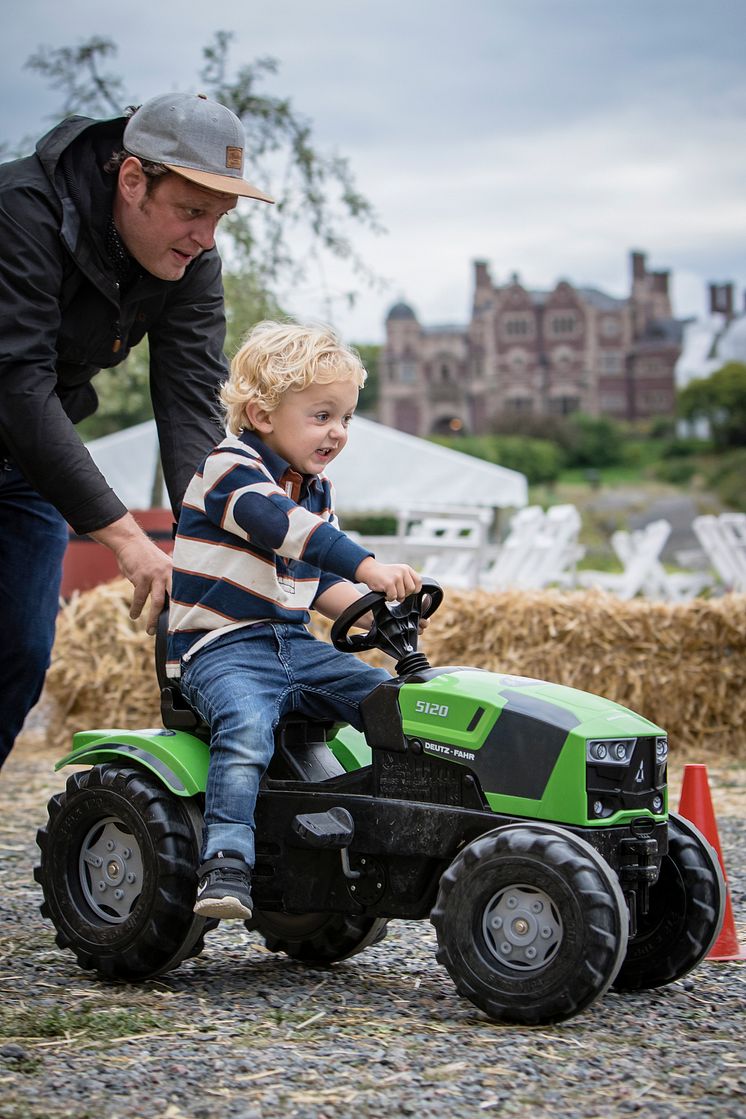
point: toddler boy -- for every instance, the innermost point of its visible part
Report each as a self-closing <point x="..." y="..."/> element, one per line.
<point x="257" y="545"/>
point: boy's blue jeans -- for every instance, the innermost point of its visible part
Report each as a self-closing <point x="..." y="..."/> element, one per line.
<point x="33" y="538"/>
<point x="242" y="684"/>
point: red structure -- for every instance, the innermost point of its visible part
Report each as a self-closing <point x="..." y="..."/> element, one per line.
<point x="88" y="563"/>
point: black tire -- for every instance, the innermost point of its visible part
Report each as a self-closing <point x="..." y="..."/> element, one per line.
<point x="687" y="905"/>
<point x="531" y="924"/>
<point x="117" y="870"/>
<point x="317" y="938"/>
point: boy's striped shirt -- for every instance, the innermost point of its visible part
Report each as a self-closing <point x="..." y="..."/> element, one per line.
<point x="255" y="542"/>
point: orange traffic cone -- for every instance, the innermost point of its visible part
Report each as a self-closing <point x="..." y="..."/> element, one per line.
<point x="695" y="805"/>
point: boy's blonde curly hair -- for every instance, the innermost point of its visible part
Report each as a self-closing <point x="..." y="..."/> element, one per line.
<point x="280" y="357"/>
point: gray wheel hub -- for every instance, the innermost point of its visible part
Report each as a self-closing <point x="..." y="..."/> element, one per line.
<point x="111" y="870"/>
<point x="522" y="927"/>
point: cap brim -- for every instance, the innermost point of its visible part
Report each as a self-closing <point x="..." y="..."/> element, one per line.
<point x="224" y="184"/>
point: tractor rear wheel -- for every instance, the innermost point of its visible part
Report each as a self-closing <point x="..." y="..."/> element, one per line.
<point x="117" y="871"/>
<point x="317" y="938"/>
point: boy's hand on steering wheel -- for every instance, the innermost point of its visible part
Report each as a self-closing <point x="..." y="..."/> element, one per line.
<point x="395" y="580"/>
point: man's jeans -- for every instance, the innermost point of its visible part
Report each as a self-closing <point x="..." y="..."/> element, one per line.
<point x="242" y="684"/>
<point x="33" y="538"/>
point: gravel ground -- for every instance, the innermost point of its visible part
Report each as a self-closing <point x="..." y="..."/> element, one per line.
<point x="241" y="1034"/>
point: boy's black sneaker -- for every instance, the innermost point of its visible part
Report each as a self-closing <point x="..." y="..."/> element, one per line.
<point x="223" y="890"/>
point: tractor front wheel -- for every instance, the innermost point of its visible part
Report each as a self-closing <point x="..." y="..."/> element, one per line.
<point x="531" y="924"/>
<point x="684" y="916"/>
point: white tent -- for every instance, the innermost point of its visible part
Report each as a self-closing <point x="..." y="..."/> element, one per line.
<point x="129" y="460"/>
<point x="379" y="470"/>
<point x="708" y="344"/>
<point x="384" y="469"/>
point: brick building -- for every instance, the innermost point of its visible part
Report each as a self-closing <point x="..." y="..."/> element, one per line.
<point x="533" y="352"/>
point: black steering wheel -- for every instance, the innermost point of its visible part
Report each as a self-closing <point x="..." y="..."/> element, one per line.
<point x="395" y="625"/>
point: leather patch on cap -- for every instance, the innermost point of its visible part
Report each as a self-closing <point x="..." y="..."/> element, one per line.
<point x="234" y="158"/>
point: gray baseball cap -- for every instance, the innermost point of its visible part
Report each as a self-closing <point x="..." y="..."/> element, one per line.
<point x="196" y="138"/>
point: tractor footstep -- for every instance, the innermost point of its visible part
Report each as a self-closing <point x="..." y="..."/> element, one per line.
<point x="334" y="828"/>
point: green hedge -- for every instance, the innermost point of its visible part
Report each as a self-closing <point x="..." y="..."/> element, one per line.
<point x="539" y="459"/>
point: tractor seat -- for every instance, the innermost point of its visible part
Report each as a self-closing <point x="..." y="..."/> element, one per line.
<point x="176" y="713"/>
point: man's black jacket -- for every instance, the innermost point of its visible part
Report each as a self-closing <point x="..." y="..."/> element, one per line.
<point x="63" y="318"/>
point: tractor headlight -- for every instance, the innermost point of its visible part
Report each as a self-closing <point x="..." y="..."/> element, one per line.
<point x="612" y="751"/>
<point x="661" y="750"/>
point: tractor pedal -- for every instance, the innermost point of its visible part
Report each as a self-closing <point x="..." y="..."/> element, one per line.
<point x="334" y="828"/>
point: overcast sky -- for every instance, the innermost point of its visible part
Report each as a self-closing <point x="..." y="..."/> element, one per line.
<point x="548" y="137"/>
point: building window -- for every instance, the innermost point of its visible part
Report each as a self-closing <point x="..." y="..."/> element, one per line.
<point x="612" y="361"/>
<point x="613" y="402"/>
<point x="563" y="405"/>
<point x="611" y="327"/>
<point x="649" y="367"/>
<point x="655" y="400"/>
<point x="519" y="405"/>
<point x="408" y="372"/>
<point x="518" y="326"/>
<point x="563" y="324"/>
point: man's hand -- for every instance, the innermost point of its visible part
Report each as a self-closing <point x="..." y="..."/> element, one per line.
<point x="140" y="561"/>
<point x="395" y="580"/>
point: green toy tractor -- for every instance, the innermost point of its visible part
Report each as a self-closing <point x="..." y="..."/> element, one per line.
<point x="528" y="821"/>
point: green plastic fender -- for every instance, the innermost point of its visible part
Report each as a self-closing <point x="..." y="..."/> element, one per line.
<point x="176" y="758"/>
<point x="179" y="759"/>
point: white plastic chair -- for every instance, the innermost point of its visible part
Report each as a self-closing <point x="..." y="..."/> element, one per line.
<point x="733" y="527"/>
<point x="555" y="552"/>
<point x="723" y="540"/>
<point x="642" y="555"/>
<point x="515" y="551"/>
<point x="673" y="586"/>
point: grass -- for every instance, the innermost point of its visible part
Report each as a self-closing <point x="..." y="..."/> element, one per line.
<point x="88" y="1024"/>
<point x="718" y="478"/>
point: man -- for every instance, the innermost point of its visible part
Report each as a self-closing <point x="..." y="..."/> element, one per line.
<point x="107" y="233"/>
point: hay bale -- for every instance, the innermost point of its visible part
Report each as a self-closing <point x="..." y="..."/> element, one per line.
<point x="102" y="672"/>
<point x="683" y="665"/>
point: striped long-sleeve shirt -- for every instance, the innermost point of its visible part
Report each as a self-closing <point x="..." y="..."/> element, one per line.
<point x="256" y="541"/>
